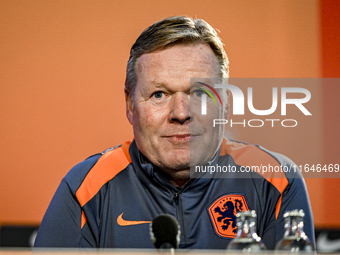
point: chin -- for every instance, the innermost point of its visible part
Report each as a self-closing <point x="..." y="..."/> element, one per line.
<point x="179" y="165"/>
<point x="178" y="159"/>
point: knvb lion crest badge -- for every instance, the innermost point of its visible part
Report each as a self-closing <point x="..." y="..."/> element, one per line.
<point x="223" y="214"/>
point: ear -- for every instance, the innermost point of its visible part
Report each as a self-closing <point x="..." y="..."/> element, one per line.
<point x="129" y="107"/>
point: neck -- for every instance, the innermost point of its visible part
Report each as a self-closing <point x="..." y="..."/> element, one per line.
<point x="179" y="183"/>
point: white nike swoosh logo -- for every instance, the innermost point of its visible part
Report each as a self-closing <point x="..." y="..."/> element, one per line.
<point x="326" y="245"/>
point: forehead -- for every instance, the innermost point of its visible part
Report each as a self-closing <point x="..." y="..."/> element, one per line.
<point x="178" y="61"/>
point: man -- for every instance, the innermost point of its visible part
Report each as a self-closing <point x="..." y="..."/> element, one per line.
<point x="109" y="199"/>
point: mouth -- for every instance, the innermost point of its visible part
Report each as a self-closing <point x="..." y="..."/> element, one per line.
<point x="179" y="137"/>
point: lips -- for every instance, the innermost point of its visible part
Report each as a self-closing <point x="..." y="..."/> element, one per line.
<point x="179" y="137"/>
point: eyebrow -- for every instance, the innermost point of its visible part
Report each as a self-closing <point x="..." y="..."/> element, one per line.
<point x="163" y="85"/>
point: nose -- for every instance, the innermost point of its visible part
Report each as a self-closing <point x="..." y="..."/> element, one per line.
<point x="180" y="109"/>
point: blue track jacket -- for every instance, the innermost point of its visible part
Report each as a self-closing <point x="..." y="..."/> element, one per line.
<point x="108" y="200"/>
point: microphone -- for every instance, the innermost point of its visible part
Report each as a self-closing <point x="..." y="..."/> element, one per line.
<point x="165" y="232"/>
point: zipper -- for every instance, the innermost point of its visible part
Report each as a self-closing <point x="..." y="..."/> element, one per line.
<point x="179" y="212"/>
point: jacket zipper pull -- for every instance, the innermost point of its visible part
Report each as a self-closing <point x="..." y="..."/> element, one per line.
<point x="176" y="197"/>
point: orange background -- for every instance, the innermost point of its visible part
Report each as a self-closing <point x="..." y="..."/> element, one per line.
<point x="62" y="72"/>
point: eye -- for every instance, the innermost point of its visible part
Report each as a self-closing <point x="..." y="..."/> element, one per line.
<point x="158" y="94"/>
<point x="198" y="93"/>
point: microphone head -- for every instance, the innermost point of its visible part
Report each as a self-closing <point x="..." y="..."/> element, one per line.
<point x="165" y="231"/>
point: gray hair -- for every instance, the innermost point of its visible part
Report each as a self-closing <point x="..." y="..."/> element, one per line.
<point x="172" y="31"/>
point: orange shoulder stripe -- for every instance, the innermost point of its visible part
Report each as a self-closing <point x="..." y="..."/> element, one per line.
<point x="107" y="167"/>
<point x="250" y="155"/>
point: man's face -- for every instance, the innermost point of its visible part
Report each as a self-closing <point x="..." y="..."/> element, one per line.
<point x="163" y="125"/>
